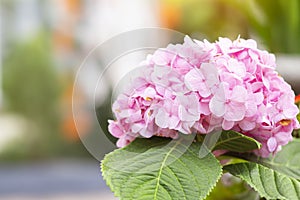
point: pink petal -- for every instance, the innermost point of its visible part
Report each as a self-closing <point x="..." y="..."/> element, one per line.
<point x="124" y="141"/>
<point x="210" y="73"/>
<point x="115" y="129"/>
<point x="226" y="125"/>
<point x="247" y="125"/>
<point x="224" y="44"/>
<point x="239" y="94"/>
<point x="185" y="127"/>
<point x="162" y="57"/>
<point x="181" y="65"/>
<point x="134" y="117"/>
<point x="186" y="116"/>
<point x="136" y="127"/>
<point x="234" y="111"/>
<point x="149" y="92"/>
<point x="291" y="111"/>
<point x="272" y="144"/>
<point x="259" y="97"/>
<point x="194" y="80"/>
<point x="236" y="67"/>
<point x="204" y="108"/>
<point x="147" y="132"/>
<point x="159" y="72"/>
<point x="221" y="93"/>
<point x="251" y="109"/>
<point x="283" y="138"/>
<point x="173" y="122"/>
<point x="162" y="119"/>
<point x="217" y="107"/>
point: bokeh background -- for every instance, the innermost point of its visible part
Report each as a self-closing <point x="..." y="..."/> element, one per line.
<point x="43" y="43"/>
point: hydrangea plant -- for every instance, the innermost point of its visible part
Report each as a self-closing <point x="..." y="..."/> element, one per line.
<point x="201" y="109"/>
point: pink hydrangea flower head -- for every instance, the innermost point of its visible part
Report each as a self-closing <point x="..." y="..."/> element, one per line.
<point x="202" y="87"/>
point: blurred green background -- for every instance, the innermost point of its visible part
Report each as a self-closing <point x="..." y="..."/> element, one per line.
<point x="44" y="42"/>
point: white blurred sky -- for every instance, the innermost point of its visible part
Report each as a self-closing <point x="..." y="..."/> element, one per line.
<point x="105" y="18"/>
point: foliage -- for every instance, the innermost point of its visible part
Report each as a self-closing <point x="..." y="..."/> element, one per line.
<point x="145" y="169"/>
<point x="269" y="183"/>
<point x="160" y="168"/>
<point x="230" y="140"/>
<point x="204" y="18"/>
<point x="276" y="22"/>
<point x="30" y="81"/>
<point x="32" y="89"/>
<point x="285" y="161"/>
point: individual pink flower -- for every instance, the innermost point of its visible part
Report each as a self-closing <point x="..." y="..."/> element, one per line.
<point x="236" y="67"/>
<point x="229" y="104"/>
<point x="191" y="52"/>
<point x="115" y="129"/>
<point x="168" y="82"/>
<point x="284" y="110"/>
<point x="202" y="80"/>
<point x="179" y="114"/>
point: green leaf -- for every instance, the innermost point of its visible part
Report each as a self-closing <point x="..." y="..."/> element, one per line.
<point x="287" y="161"/>
<point x="160" y="168"/>
<point x="267" y="182"/>
<point x="237" y="142"/>
<point x="229" y="140"/>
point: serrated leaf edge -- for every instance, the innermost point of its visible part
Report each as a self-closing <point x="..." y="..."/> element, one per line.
<point x="254" y="186"/>
<point x="218" y="178"/>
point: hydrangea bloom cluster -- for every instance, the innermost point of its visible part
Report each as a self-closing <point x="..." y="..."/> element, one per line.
<point x="203" y="87"/>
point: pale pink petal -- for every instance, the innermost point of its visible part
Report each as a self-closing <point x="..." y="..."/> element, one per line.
<point x="234" y="111"/>
<point x="191" y="103"/>
<point x="149" y="92"/>
<point x="162" y="57"/>
<point x="222" y="92"/>
<point x="291" y="111"/>
<point x="115" y="129"/>
<point x="126" y="113"/>
<point x="173" y="122"/>
<point x="159" y="72"/>
<point x="227" y="125"/>
<point x="283" y="138"/>
<point x="181" y="65"/>
<point x="272" y="144"/>
<point x="236" y="67"/>
<point x="239" y="94"/>
<point x="124" y="141"/>
<point x="258" y="97"/>
<point x="224" y="44"/>
<point x="162" y="119"/>
<point x="194" y="80"/>
<point x="185" y="127"/>
<point x="204" y="108"/>
<point x="251" y="44"/>
<point x="148" y="131"/>
<point x="251" y="109"/>
<point x="217" y="107"/>
<point x="186" y="116"/>
<point x="210" y="72"/>
<point x="247" y="125"/>
<point x="199" y="127"/>
<point x="136" y="127"/>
